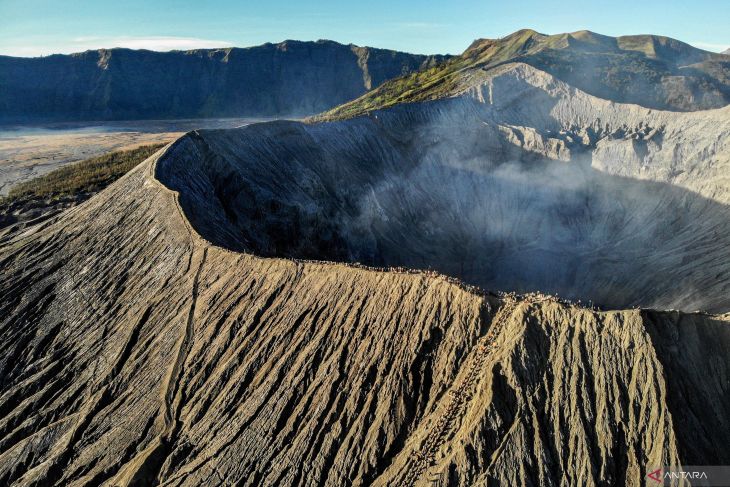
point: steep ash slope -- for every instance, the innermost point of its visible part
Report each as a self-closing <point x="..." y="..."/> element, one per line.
<point x="136" y="353"/>
<point x="523" y="183"/>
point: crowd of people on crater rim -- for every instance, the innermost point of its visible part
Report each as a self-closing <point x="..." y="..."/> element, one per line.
<point x="531" y="297"/>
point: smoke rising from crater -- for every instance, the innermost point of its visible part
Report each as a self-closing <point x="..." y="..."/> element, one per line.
<point x="450" y="187"/>
<point x="504" y="218"/>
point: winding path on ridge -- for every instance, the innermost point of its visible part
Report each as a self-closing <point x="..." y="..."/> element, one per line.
<point x="459" y="396"/>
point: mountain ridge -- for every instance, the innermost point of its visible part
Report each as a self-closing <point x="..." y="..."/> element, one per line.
<point x="291" y="78"/>
<point x="652" y="71"/>
<point x="279" y="45"/>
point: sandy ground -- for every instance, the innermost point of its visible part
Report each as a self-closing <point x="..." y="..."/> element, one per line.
<point x="26" y="157"/>
<point x="28" y="152"/>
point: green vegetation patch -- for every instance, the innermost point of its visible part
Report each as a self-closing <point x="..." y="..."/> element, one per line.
<point x="88" y="176"/>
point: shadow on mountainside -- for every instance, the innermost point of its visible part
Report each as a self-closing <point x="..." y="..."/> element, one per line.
<point x="466" y="203"/>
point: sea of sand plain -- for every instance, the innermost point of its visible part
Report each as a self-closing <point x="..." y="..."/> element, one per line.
<point x="27" y="152"/>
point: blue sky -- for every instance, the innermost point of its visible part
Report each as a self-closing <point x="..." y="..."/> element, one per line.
<point x="39" y="27"/>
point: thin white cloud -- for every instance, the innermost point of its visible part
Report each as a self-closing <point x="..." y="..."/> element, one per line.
<point x="84" y="43"/>
<point x="157" y="43"/>
<point x="710" y="46"/>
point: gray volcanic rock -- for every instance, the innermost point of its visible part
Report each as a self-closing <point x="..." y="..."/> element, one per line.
<point x="289" y="78"/>
<point x="522" y="183"/>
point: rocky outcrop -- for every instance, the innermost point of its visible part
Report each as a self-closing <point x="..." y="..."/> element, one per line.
<point x="689" y="150"/>
<point x="285" y="79"/>
<point x="135" y="352"/>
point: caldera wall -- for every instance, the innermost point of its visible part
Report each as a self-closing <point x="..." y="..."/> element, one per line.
<point x="442" y="185"/>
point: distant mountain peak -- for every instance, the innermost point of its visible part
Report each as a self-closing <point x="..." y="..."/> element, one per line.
<point x="683" y="77"/>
